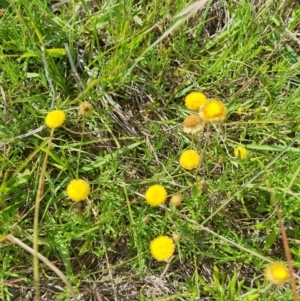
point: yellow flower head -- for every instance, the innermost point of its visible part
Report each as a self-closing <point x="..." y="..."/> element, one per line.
<point x="193" y="124"/>
<point x="213" y="111"/>
<point x="55" y="119"/>
<point x="189" y="159"/>
<point x="240" y="152"/>
<point x="276" y="273"/>
<point x="162" y="248"/>
<point x="78" y="190"/>
<point x="85" y="108"/>
<point x="195" y="100"/>
<point x="156" y="195"/>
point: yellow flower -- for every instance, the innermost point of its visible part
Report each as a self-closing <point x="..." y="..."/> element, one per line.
<point x="276" y="273"/>
<point x="162" y="248"/>
<point x="55" y="119"/>
<point x="85" y="108"/>
<point x="195" y="100"/>
<point x="193" y="124"/>
<point x="78" y="190"/>
<point x="189" y="159"/>
<point x="213" y="111"/>
<point x="240" y="152"/>
<point x="156" y="195"/>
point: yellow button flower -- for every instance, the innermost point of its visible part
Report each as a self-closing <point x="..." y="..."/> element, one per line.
<point x="78" y="190"/>
<point x="213" y="111"/>
<point x="195" y="100"/>
<point x="193" y="124"/>
<point x="162" y="248"/>
<point x="55" y="119"/>
<point x="156" y="195"/>
<point x="276" y="273"/>
<point x="240" y="152"/>
<point x="189" y="159"/>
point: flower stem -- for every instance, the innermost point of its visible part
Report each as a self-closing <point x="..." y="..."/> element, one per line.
<point x="17" y="241"/>
<point x="285" y="244"/>
<point x="39" y="195"/>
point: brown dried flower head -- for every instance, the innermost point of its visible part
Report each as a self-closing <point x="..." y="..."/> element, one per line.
<point x="202" y="186"/>
<point x="85" y="108"/>
<point x="2" y="12"/>
<point x="145" y="219"/>
<point x="193" y="124"/>
<point x="176" y="199"/>
<point x="176" y="237"/>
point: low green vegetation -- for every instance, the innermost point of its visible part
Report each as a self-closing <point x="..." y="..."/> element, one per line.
<point x="120" y="71"/>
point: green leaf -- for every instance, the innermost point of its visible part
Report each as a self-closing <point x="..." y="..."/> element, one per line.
<point x="29" y="54"/>
<point x="273" y="148"/>
<point x="32" y="75"/>
<point x="232" y="289"/>
<point x="3" y="238"/>
<point x="110" y="157"/>
<point x="60" y="164"/>
<point x="92" y="83"/>
<point x="270" y="240"/>
<point x="216" y="277"/>
<point x="57" y="52"/>
<point x="251" y="297"/>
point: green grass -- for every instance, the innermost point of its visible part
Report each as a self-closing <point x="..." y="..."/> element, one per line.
<point x="248" y="56"/>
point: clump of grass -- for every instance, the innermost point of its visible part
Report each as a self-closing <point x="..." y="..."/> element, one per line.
<point x="134" y="74"/>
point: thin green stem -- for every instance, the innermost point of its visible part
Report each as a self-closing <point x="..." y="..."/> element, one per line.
<point x="132" y="226"/>
<point x="39" y="195"/>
